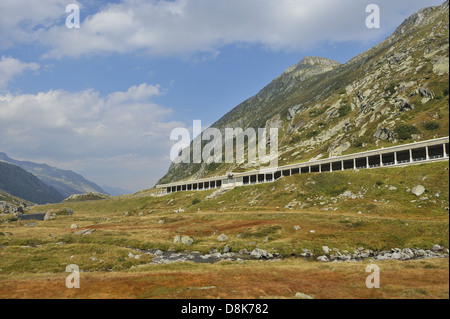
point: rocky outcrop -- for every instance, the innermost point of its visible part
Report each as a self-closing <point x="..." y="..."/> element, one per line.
<point x="86" y="197"/>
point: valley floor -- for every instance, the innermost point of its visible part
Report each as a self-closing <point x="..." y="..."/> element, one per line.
<point x="373" y="209"/>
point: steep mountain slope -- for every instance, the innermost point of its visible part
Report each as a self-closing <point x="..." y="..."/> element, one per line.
<point x="18" y="182"/>
<point x="394" y="93"/>
<point x="65" y="182"/>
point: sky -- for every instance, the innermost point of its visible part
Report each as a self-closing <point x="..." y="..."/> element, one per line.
<point x="102" y="99"/>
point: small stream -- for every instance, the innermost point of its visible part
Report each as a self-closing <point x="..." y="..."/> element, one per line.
<point x="166" y="257"/>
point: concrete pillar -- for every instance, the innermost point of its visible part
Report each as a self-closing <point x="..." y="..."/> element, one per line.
<point x="354" y="163"/>
<point x="367" y="162"/>
<point x="342" y="165"/>
<point x="410" y="156"/>
<point x="445" y="149"/>
<point x="427" y="151"/>
<point x="395" y="158"/>
<point x="381" y="160"/>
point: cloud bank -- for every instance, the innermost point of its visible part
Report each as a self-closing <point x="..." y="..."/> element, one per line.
<point x="91" y="133"/>
<point x="181" y="27"/>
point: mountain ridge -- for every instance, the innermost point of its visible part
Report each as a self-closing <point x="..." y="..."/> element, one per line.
<point x="66" y="182"/>
<point x="20" y="183"/>
<point x="393" y="92"/>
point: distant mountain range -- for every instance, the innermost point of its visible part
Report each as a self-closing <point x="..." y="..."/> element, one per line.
<point x="116" y="191"/>
<point x="65" y="182"/>
<point x="18" y="182"/>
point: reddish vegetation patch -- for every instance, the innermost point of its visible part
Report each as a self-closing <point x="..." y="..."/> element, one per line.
<point x="240" y="282"/>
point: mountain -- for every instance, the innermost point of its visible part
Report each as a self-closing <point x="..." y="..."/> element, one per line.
<point x="65" y="182"/>
<point x="116" y="191"/>
<point x="394" y="93"/>
<point x="18" y="182"/>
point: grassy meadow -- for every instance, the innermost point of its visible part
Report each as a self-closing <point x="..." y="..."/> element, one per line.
<point x="374" y="209"/>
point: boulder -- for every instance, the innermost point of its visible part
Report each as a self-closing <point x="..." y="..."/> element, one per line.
<point x="186" y="240"/>
<point x="85" y="232"/>
<point x="436" y="248"/>
<point x="306" y="253"/>
<point x="300" y="295"/>
<point x="177" y="239"/>
<point x="426" y="93"/>
<point x="222" y="238"/>
<point x="49" y="215"/>
<point x="418" y="190"/>
<point x="403" y="104"/>
<point x="226" y="249"/>
<point x="383" y="134"/>
<point x="326" y="250"/>
<point x="74" y="226"/>
<point x="260" y="253"/>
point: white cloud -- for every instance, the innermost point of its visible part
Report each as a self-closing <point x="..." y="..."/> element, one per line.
<point x="20" y="19"/>
<point x="182" y="27"/>
<point x="90" y="132"/>
<point x="11" y="67"/>
<point x="187" y="26"/>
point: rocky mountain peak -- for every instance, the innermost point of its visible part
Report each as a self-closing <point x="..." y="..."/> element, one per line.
<point x="312" y="60"/>
<point x="423" y="16"/>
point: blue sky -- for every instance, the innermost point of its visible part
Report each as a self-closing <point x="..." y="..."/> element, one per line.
<point x="102" y="100"/>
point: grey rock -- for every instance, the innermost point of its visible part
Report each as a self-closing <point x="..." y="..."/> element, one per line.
<point x="403" y="104"/>
<point x="222" y="238"/>
<point x="187" y="240"/>
<point x="436" y="248"/>
<point x="300" y="295"/>
<point x="177" y="239"/>
<point x="85" y="232"/>
<point x="383" y="134"/>
<point x="426" y="93"/>
<point x="418" y="190"/>
<point x="49" y="216"/>
<point x="260" y="253"/>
